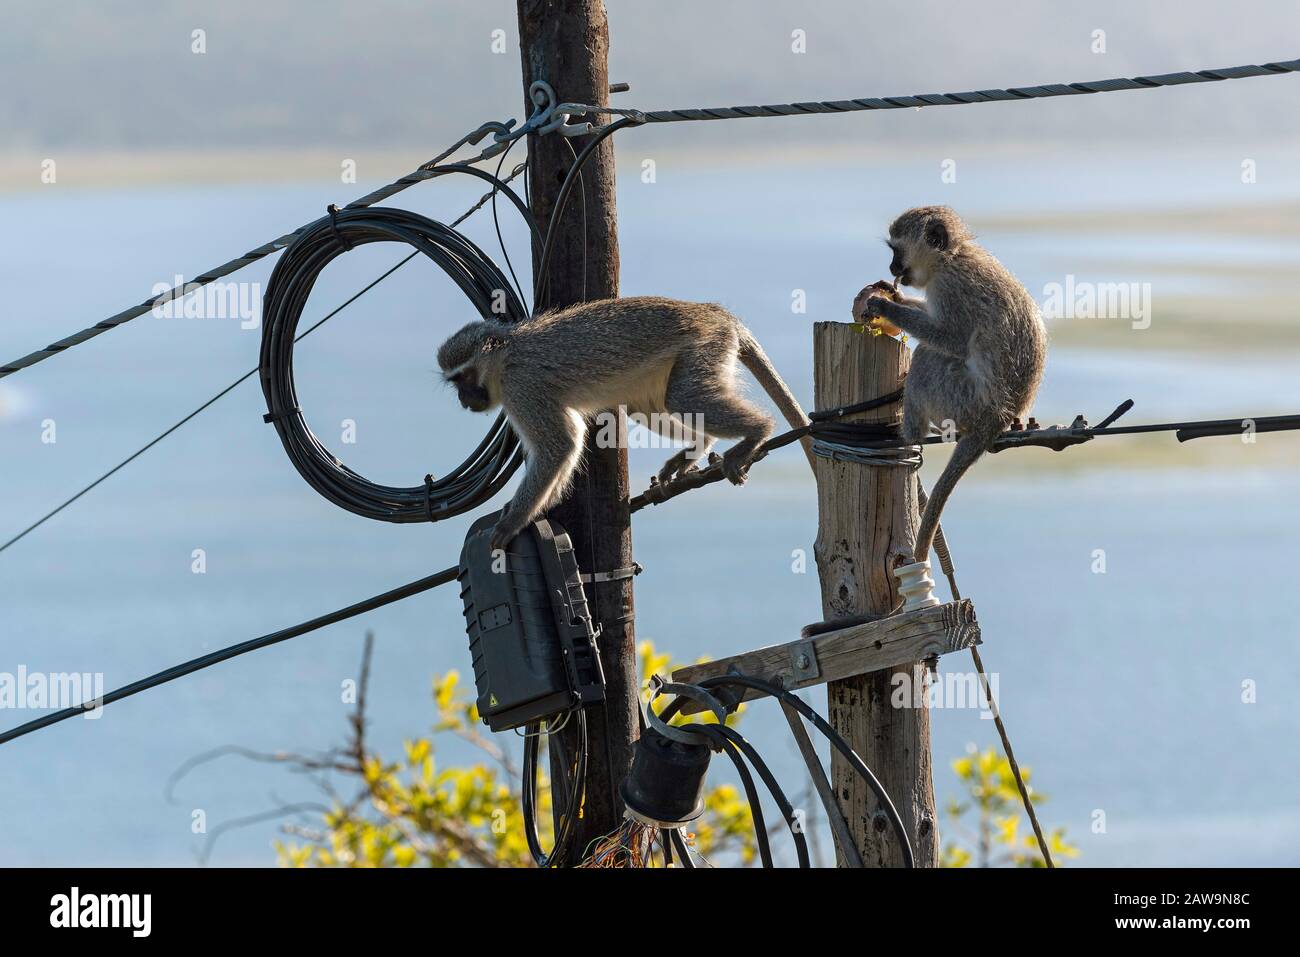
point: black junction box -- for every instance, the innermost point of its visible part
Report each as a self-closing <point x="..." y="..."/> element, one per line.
<point x="530" y="631"/>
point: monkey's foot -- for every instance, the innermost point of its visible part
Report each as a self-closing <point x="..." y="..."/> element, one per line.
<point x="735" y="469"/>
<point x="676" y="467"/>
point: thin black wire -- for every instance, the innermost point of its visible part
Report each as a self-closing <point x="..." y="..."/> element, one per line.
<point x="496" y="222"/>
<point x="233" y="651"/>
<point x="425" y="172"/>
<point x="582" y="192"/>
<point x="224" y="392"/>
<point x="230" y="388"/>
<point x="404" y="591"/>
<point x="542" y="276"/>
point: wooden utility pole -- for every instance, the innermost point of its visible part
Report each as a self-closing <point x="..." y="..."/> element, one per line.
<point x="867" y="518"/>
<point x="566" y="43"/>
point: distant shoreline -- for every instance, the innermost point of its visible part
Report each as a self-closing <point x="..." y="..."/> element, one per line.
<point x="21" y="171"/>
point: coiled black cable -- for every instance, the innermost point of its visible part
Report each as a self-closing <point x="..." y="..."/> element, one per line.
<point x="489" y="466"/>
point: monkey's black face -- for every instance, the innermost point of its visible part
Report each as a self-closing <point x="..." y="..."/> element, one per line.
<point x="474" y="397"/>
<point x="897" y="268"/>
<point x="471" y="394"/>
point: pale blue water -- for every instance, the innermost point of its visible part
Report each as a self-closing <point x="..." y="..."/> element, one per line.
<point x="1122" y="690"/>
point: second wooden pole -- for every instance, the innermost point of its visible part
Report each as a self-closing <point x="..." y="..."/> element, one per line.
<point x="867" y="518"/>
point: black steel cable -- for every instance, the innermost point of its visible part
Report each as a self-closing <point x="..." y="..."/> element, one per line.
<point x="233" y="651"/>
<point x="428" y="171"/>
<point x="496" y="225"/>
<point x="635" y="117"/>
<point x="919" y="100"/>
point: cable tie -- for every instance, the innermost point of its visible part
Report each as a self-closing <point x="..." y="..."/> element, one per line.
<point x="282" y="414"/>
<point x="428" y="496"/>
<point x="333" y="210"/>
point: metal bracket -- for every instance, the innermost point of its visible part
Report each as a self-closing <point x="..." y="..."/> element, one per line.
<point x="552" y="116"/>
<point x="803" y="662"/>
<point x="691" y="693"/>
<point x="617" y="574"/>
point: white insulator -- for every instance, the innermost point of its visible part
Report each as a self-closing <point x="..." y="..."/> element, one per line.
<point x="916" y="586"/>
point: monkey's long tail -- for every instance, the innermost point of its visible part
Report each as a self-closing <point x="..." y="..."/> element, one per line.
<point x="969" y="448"/>
<point x="760" y="366"/>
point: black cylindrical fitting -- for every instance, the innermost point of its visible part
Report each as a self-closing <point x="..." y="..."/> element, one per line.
<point x="666" y="783"/>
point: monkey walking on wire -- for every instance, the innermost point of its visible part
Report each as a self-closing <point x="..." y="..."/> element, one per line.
<point x="980" y="352"/>
<point x="550" y="373"/>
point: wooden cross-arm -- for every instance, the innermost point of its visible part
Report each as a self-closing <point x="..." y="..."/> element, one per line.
<point x="861" y="649"/>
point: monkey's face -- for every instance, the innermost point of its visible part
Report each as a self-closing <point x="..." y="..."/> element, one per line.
<point x="910" y="265"/>
<point x="898" y="264"/>
<point x="463" y="358"/>
<point x="920" y="239"/>
<point x="471" y="393"/>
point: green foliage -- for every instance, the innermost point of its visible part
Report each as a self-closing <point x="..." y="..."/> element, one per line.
<point x="410" y="811"/>
<point x="992" y="795"/>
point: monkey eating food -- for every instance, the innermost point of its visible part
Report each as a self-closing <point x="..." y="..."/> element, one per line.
<point x="980" y="353"/>
<point x="659" y="357"/>
<point x="877" y="325"/>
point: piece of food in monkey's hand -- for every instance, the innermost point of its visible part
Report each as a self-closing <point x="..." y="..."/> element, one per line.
<point x="882" y="288"/>
<point x="882" y="327"/>
<point x="875" y="324"/>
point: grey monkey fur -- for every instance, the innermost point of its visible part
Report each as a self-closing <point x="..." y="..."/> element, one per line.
<point x="552" y="372"/>
<point x="980" y="355"/>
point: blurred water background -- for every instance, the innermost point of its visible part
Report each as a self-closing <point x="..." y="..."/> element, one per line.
<point x="1123" y="691"/>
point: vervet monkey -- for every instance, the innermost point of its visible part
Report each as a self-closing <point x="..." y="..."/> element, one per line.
<point x="980" y="351"/>
<point x="553" y="371"/>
